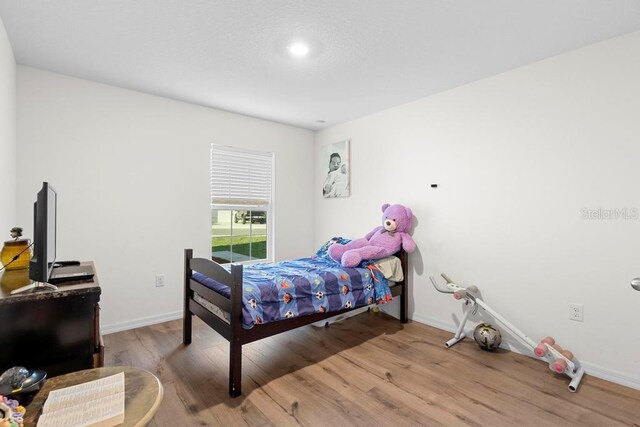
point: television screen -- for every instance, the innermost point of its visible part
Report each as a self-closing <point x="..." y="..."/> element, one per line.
<point x="44" y="234"/>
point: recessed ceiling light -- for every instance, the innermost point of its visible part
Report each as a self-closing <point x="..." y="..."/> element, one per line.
<point x="298" y="49"/>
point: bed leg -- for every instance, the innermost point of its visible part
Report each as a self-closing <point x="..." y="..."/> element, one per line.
<point x="235" y="369"/>
<point x="404" y="303"/>
<point x="186" y="327"/>
<point x="403" y="309"/>
<point x="404" y="298"/>
<point x="187" y="316"/>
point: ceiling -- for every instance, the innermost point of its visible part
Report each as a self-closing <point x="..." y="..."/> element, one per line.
<point x="365" y="55"/>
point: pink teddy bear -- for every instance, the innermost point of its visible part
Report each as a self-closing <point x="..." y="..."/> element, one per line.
<point x="380" y="242"/>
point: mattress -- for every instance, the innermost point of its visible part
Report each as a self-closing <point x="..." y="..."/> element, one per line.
<point x="289" y="289"/>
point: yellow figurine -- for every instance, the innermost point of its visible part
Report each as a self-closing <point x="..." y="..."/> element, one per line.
<point x="15" y="233"/>
<point x="16" y="253"/>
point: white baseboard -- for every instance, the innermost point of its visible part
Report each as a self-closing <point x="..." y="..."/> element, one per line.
<point x="589" y="368"/>
<point x="610" y="375"/>
<point x="138" y="323"/>
<point x="433" y="322"/>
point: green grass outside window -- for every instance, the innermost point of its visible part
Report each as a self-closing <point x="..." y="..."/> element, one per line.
<point x="241" y="245"/>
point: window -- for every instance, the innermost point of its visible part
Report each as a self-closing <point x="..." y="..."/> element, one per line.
<point x="241" y="211"/>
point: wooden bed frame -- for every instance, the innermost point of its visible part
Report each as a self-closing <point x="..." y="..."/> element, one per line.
<point x="233" y="331"/>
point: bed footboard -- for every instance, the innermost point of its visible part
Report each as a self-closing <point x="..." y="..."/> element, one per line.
<point x="232" y="330"/>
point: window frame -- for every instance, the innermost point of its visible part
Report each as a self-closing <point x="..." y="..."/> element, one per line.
<point x="268" y="208"/>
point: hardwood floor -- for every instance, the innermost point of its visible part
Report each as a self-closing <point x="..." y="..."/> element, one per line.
<point x="366" y="370"/>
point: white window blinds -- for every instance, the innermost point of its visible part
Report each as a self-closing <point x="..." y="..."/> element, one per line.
<point x="240" y="177"/>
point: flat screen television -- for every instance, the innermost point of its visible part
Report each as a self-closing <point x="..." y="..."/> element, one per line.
<point x="44" y="234"/>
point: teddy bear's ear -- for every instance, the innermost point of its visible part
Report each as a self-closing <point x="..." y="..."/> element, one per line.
<point x="409" y="213"/>
<point x="385" y="206"/>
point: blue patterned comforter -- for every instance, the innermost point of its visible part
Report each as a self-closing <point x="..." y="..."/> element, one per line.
<point x="288" y="289"/>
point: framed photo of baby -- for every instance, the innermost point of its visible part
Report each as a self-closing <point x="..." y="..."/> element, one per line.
<point x="335" y="170"/>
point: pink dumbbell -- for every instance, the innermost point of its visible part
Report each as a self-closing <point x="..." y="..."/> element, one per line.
<point x="560" y="364"/>
<point x="541" y="349"/>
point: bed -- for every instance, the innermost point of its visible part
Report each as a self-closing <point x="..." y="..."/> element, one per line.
<point x="227" y="300"/>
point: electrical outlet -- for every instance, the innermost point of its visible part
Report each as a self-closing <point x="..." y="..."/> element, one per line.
<point x="576" y="312"/>
<point x="159" y="280"/>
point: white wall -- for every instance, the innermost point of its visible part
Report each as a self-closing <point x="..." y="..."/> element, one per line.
<point x="517" y="157"/>
<point x="132" y="175"/>
<point x="7" y="136"/>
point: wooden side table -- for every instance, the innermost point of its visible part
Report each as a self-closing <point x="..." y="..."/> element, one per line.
<point x="143" y="393"/>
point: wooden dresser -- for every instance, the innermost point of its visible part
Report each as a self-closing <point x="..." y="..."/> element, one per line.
<point x="56" y="331"/>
